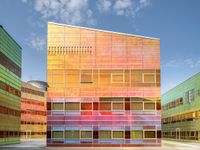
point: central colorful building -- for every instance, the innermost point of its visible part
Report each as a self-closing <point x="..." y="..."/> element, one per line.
<point x="104" y="88"/>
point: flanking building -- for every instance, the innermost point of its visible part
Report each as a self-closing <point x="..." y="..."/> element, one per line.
<point x="181" y="110"/>
<point x="33" y="110"/>
<point x="104" y="88"/>
<point x="10" y="88"/>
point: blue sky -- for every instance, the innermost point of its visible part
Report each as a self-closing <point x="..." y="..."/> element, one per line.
<point x="175" y="22"/>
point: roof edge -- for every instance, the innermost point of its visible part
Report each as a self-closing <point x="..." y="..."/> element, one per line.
<point x="179" y="84"/>
<point x="10" y="36"/>
<point x="103" y="30"/>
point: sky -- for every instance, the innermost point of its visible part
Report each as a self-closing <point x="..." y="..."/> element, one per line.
<point x="175" y="22"/>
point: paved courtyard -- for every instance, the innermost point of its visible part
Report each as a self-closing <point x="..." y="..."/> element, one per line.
<point x="40" y="145"/>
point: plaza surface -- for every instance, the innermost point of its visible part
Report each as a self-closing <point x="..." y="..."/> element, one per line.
<point x="41" y="145"/>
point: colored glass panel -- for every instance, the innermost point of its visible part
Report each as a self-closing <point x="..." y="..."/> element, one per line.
<point x="72" y="134"/>
<point x="86" y="134"/>
<point x="118" y="134"/>
<point x="105" y="106"/>
<point x="86" y="106"/>
<point x="57" y="134"/>
<point x="149" y="134"/>
<point x="136" y="105"/>
<point x="72" y="106"/>
<point x="105" y="134"/>
<point x="137" y="134"/>
<point x="58" y="106"/>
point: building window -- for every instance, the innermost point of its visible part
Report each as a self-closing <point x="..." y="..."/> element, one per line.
<point x="58" y="106"/>
<point x="148" y="78"/>
<point x="86" y="134"/>
<point x="136" y="105"/>
<point x="95" y="134"/>
<point x="72" y="106"/>
<point x="137" y="134"/>
<point x="118" y="106"/>
<point x="105" y="106"/>
<point x="72" y="134"/>
<point x="191" y="95"/>
<point x="149" y="134"/>
<point x="86" y="76"/>
<point x="198" y="92"/>
<point x="118" y="134"/>
<point x="149" y="106"/>
<point x="57" y="134"/>
<point x="187" y="97"/>
<point x="117" y="77"/>
<point x="95" y="106"/>
<point x="158" y="134"/>
<point x="86" y="106"/>
<point x="127" y="134"/>
<point x="105" y="134"/>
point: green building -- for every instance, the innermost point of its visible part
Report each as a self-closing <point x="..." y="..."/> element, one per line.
<point x="181" y="111"/>
<point x="10" y="88"/>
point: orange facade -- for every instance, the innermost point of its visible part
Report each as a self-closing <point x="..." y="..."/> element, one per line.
<point x="104" y="81"/>
<point x="33" y="112"/>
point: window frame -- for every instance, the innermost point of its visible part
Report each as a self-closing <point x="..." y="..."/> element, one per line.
<point x="58" y="131"/>
<point x="73" y="110"/>
<point x="52" y="105"/>
<point x="116" y="74"/>
<point x="136" y="138"/>
<point x="191" y="95"/>
<point x="143" y="77"/>
<point x="71" y="131"/>
<point x="86" y="131"/>
<point x="117" y="131"/>
<point x="92" y="77"/>
<point x="116" y="109"/>
<point x="150" y="130"/>
<point x="100" y="103"/>
<point x="105" y="138"/>
<point x="137" y="102"/>
<point x="149" y="102"/>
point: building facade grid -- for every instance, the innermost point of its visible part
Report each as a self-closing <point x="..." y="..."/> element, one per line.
<point x="104" y="88"/>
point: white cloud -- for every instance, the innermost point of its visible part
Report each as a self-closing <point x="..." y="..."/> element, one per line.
<point x="129" y="8"/>
<point x="172" y="63"/>
<point x="104" y="5"/>
<point x="37" y="42"/>
<point x="182" y="63"/>
<point x="122" y="7"/>
<point x="66" y="11"/>
<point x="24" y="1"/>
<point x="81" y="11"/>
<point x="144" y="3"/>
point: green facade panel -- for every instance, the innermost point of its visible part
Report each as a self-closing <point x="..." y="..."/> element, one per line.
<point x="9" y="47"/>
<point x="181" y="110"/>
<point x="10" y="88"/>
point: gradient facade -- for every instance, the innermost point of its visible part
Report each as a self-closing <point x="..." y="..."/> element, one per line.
<point x="104" y="88"/>
<point x="10" y="88"/>
<point x="181" y="111"/>
<point x="33" y="112"/>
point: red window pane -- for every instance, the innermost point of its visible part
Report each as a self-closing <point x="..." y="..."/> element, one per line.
<point x="86" y="106"/>
<point x="95" y="106"/>
<point x="105" y="106"/>
<point x="127" y="105"/>
<point x="158" y="105"/>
